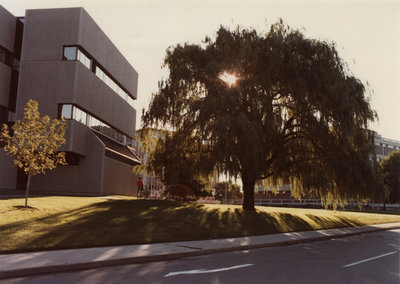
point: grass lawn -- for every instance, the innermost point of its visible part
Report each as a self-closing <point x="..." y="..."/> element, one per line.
<point x="58" y="222"/>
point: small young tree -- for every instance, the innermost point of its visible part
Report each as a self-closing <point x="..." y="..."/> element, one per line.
<point x="34" y="142"/>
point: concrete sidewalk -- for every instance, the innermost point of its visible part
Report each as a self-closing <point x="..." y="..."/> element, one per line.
<point x="23" y="264"/>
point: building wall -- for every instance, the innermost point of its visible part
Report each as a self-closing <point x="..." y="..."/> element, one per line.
<point x="76" y="137"/>
<point x="5" y="78"/>
<point x="70" y="82"/>
<point x="85" y="178"/>
<point x="7" y="37"/>
<point x="118" y="178"/>
<point x="46" y="77"/>
<point x="8" y="173"/>
<point x="82" y="30"/>
<point x="93" y="39"/>
<point x="7" y="29"/>
<point x="45" y="36"/>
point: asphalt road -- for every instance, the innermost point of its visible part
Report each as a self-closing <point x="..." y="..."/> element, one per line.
<point x="367" y="258"/>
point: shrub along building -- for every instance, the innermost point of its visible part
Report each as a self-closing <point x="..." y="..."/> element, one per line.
<point x="64" y="61"/>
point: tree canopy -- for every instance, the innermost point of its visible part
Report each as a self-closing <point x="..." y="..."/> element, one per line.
<point x="289" y="111"/>
<point x="390" y="167"/>
<point x="34" y="142"/>
<point x="169" y="156"/>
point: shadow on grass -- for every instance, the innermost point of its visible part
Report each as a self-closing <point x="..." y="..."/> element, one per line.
<point x="125" y="222"/>
<point x="339" y="222"/>
<point x="20" y="207"/>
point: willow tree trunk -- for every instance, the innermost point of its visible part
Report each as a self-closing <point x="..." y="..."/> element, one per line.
<point x="248" y="190"/>
<point x="28" y="183"/>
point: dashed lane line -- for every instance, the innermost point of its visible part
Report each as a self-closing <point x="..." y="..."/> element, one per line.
<point x="369" y="259"/>
<point x="202" y="271"/>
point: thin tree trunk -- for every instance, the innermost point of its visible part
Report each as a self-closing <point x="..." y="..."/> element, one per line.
<point x="248" y="190"/>
<point x="28" y="183"/>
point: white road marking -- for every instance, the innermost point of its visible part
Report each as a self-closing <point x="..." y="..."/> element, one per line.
<point x="368" y="259"/>
<point x="202" y="271"/>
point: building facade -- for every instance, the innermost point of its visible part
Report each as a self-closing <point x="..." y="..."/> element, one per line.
<point x="385" y="146"/>
<point x="63" y="60"/>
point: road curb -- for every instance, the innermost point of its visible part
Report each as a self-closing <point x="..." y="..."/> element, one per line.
<point x="161" y="257"/>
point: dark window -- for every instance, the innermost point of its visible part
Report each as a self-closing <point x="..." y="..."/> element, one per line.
<point x="3" y="115"/>
<point x="3" y="55"/>
<point x="6" y="56"/>
<point x="12" y="101"/>
<point x="9" y="59"/>
<point x="18" y="38"/>
<point x="3" y="119"/>
<point x="72" y="159"/>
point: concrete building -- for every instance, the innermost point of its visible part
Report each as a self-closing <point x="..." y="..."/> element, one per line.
<point x="64" y="61"/>
<point x="385" y="146"/>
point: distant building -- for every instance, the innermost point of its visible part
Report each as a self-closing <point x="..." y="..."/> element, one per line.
<point x="63" y="60"/>
<point x="385" y="146"/>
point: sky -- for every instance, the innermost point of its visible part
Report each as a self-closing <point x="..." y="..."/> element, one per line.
<point x="366" y="33"/>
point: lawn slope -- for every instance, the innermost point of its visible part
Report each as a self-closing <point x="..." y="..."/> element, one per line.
<point x="74" y="222"/>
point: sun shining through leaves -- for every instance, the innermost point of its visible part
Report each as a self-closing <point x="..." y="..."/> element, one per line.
<point x="229" y="78"/>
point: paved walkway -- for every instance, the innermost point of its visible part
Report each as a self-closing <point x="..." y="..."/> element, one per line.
<point x="23" y="264"/>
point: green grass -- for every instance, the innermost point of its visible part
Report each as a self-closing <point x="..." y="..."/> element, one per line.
<point x="59" y="222"/>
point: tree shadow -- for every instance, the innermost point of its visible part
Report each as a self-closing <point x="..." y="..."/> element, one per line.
<point x="338" y="222"/>
<point x="20" y="207"/>
<point x="127" y="222"/>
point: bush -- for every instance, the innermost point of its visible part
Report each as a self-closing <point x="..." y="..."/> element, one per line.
<point x="180" y="192"/>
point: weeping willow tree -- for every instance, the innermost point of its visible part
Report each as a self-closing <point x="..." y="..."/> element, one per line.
<point x="273" y="106"/>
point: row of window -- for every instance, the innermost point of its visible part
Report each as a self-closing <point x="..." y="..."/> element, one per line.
<point x="109" y="82"/>
<point x="73" y="112"/>
<point x="8" y="58"/>
<point x="387" y="146"/>
<point x="74" y="53"/>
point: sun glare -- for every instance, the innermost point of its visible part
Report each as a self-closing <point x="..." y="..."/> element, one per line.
<point x="229" y="78"/>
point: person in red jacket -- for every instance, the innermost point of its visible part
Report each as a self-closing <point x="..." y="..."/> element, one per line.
<point x="139" y="184"/>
